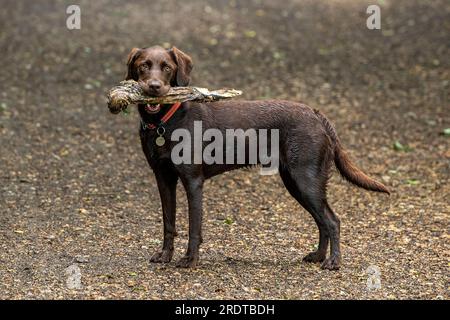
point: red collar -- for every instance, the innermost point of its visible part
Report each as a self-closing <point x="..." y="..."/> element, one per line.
<point x="164" y="119"/>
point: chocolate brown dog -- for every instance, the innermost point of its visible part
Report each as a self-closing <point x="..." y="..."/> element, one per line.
<point x="308" y="145"/>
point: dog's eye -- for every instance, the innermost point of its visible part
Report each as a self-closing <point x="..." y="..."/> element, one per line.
<point x="143" y="67"/>
<point x="167" y="69"/>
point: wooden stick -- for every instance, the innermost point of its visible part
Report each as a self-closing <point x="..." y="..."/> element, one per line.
<point x="129" y="92"/>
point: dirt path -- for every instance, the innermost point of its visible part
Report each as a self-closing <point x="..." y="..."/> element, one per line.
<point x="75" y="188"/>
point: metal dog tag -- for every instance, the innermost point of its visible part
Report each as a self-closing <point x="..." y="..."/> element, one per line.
<point x="160" y="141"/>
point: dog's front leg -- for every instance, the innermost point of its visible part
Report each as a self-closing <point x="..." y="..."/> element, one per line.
<point x="194" y="192"/>
<point x="167" y="185"/>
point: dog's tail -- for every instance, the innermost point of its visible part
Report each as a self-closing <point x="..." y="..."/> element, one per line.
<point x="345" y="166"/>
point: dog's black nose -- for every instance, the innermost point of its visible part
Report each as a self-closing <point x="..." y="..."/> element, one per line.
<point x="154" y="85"/>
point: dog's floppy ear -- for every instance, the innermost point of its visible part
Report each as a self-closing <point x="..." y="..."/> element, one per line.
<point x="131" y="75"/>
<point x="184" y="63"/>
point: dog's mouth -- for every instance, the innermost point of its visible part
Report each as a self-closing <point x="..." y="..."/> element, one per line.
<point x="152" y="108"/>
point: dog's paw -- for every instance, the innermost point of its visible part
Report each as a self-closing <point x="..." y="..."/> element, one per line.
<point x="331" y="263"/>
<point x="187" y="262"/>
<point x="163" y="256"/>
<point x="314" y="257"/>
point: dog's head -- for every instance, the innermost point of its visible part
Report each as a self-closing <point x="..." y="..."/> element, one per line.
<point x="157" y="69"/>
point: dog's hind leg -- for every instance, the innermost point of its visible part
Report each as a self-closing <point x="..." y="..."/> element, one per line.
<point x="333" y="224"/>
<point x="308" y="186"/>
<point x="320" y="254"/>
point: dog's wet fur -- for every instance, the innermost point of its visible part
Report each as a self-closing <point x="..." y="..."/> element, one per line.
<point x="308" y="146"/>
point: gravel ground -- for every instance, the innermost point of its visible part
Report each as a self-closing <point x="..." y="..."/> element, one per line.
<point x="75" y="190"/>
